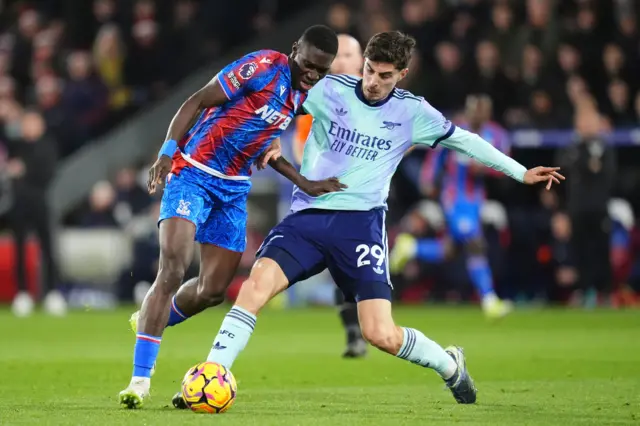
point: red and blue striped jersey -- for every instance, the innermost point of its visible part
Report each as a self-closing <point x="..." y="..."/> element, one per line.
<point x="458" y="180"/>
<point x="226" y="140"/>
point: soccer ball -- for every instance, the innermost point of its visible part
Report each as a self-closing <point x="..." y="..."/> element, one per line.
<point x="209" y="388"/>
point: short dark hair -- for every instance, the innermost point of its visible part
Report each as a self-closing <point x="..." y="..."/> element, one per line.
<point x="393" y="47"/>
<point x="321" y="37"/>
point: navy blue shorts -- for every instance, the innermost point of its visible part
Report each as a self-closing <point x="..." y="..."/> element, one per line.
<point x="351" y="244"/>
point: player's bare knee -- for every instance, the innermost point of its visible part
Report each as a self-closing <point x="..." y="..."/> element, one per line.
<point x="254" y="295"/>
<point x="266" y="281"/>
<point x="211" y="291"/>
<point x="171" y="273"/>
<point x="381" y="336"/>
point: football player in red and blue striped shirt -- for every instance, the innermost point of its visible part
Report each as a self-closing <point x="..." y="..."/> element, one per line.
<point x="212" y="142"/>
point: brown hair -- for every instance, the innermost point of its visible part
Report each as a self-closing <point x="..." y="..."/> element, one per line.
<point x="392" y="47"/>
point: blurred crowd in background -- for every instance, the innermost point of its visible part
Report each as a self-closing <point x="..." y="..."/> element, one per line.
<point x="70" y="71"/>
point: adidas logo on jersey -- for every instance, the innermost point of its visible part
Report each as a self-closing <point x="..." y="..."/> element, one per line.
<point x="272" y="116"/>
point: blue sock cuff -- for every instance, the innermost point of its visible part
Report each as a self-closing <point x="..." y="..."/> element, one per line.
<point x="175" y="308"/>
<point x="176" y="316"/>
<point x="408" y="343"/>
<point x="243" y="316"/>
<point x="145" y="354"/>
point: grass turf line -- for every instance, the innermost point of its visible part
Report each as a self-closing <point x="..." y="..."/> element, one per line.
<point x="536" y="367"/>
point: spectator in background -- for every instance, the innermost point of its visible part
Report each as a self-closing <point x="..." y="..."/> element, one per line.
<point x="614" y="62"/>
<point x="626" y="36"/>
<point x="542" y="116"/>
<point x="28" y="27"/>
<point x="449" y="86"/>
<point x="143" y="10"/>
<point x="530" y="73"/>
<point x="44" y="51"/>
<point x="576" y="90"/>
<point x="104" y="12"/>
<point x="490" y="79"/>
<point x="130" y="199"/>
<point x="620" y="110"/>
<point x="532" y="102"/>
<point x="588" y="39"/>
<point x="7" y="88"/>
<point x="109" y="60"/>
<point x="341" y="20"/>
<point x="423" y="20"/>
<point x="183" y="35"/>
<point x="542" y="27"/>
<point x="5" y="182"/>
<point x="11" y="115"/>
<point x="569" y="61"/>
<point x="378" y="23"/>
<point x="84" y="99"/>
<point x="48" y="98"/>
<point x="31" y="168"/>
<point x="5" y="56"/>
<point x="508" y="36"/>
<point x="100" y="212"/>
<point x="146" y="64"/>
<point x="591" y="166"/>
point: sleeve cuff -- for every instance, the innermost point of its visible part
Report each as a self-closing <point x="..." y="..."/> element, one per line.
<point x="225" y="87"/>
<point x="446" y="136"/>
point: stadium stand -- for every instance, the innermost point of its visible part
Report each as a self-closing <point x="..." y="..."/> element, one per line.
<point x="539" y="61"/>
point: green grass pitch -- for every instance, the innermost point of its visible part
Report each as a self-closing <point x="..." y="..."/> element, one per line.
<point x="543" y="367"/>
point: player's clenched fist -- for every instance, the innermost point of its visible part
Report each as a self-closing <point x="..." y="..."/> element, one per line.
<point x="543" y="174"/>
<point x="158" y="172"/>
<point x="321" y="187"/>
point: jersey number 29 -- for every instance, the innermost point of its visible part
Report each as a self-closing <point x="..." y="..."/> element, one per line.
<point x="376" y="252"/>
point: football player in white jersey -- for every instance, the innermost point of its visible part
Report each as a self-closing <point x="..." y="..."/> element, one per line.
<point x="361" y="130"/>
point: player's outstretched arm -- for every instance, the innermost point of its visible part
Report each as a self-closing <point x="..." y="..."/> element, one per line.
<point x="312" y="187"/>
<point x="477" y="148"/>
<point x="209" y="96"/>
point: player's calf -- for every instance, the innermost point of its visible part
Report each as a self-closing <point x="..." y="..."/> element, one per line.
<point x="154" y="313"/>
<point x="218" y="266"/>
<point x="411" y="345"/>
<point x="211" y="291"/>
<point x="195" y="296"/>
<point x="264" y="283"/>
<point x="378" y="327"/>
